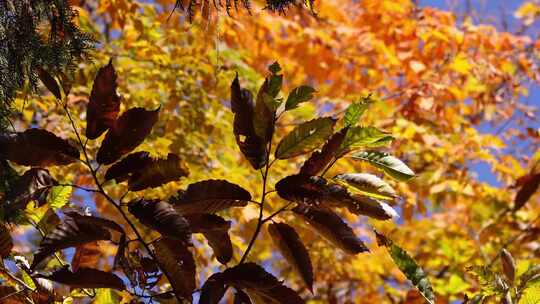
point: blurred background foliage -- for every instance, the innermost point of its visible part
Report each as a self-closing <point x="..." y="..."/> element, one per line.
<point x="438" y="79"/>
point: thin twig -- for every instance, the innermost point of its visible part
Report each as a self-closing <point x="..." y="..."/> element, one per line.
<point x="277" y="212"/>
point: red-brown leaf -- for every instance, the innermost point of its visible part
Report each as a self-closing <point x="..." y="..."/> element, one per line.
<point x="34" y="184"/>
<point x="6" y="242"/>
<point x="173" y="256"/>
<point x="162" y="217"/>
<point x="529" y="185"/>
<point x="251" y="145"/>
<point x="73" y="231"/>
<point x="210" y="196"/>
<point x="252" y="279"/>
<point x="293" y="250"/>
<point x="216" y="230"/>
<point x="85" y="278"/>
<point x="141" y="171"/>
<point x="128" y="132"/>
<point x="332" y="227"/>
<point x="87" y="256"/>
<point x="318" y="160"/>
<point x="104" y="103"/>
<point x="37" y="147"/>
<point x="50" y="83"/>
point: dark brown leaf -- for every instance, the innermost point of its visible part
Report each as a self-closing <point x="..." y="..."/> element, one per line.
<point x="34" y="184"/>
<point x="210" y="196"/>
<point x="104" y="103"/>
<point x="37" y="147"/>
<point x="293" y="250"/>
<point x="318" y="192"/>
<point x="84" y="278"/>
<point x="216" y="230"/>
<point x="241" y="297"/>
<point x="251" y="145"/>
<point x="6" y="242"/>
<point x="9" y="295"/>
<point x="251" y="278"/>
<point x="87" y="255"/>
<point x="73" y="231"/>
<point x="128" y="132"/>
<point x="529" y="185"/>
<point x="49" y="82"/>
<point x="178" y="262"/>
<point x="213" y="289"/>
<point x="319" y="160"/>
<point x="141" y="171"/>
<point x="333" y="228"/>
<point x="162" y="217"/>
<point x="508" y="265"/>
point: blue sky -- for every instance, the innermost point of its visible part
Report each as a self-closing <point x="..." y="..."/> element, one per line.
<point x="491" y="11"/>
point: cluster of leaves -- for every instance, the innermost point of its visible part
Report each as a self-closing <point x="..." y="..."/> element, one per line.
<point x="311" y="196"/>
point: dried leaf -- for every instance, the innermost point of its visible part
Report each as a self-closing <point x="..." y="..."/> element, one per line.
<point x="392" y="166"/>
<point x="175" y="258"/>
<point x="35" y="184"/>
<point x="104" y="103"/>
<point x="73" y="231"/>
<point x="6" y="242"/>
<point x="529" y="186"/>
<point x="210" y="196"/>
<point x="251" y="145"/>
<point x="332" y="227"/>
<point x="305" y="137"/>
<point x="368" y="184"/>
<point x="216" y="230"/>
<point x="87" y="256"/>
<point x="241" y="297"/>
<point x="50" y="83"/>
<point x="409" y="267"/>
<point x="128" y="132"/>
<point x="162" y="217"/>
<point x="84" y="278"/>
<point x="508" y="265"/>
<point x="253" y="280"/>
<point x="294" y="251"/>
<point x="37" y="147"/>
<point x="319" y="160"/>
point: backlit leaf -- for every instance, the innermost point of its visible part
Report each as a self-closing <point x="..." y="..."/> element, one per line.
<point x="128" y="132"/>
<point x="355" y="110"/>
<point x="332" y="228"/>
<point x="104" y="103"/>
<point x="264" y="113"/>
<point x="364" y="137"/>
<point x="59" y="196"/>
<point x="368" y="184"/>
<point x="293" y="250"/>
<point x="216" y="230"/>
<point x="298" y="95"/>
<point x="409" y="267"/>
<point x="305" y="137"/>
<point x="86" y="255"/>
<point x="173" y="256"/>
<point x="84" y="278"/>
<point x="37" y="147"/>
<point x="392" y="166"/>
<point x="71" y="232"/>
<point x="319" y="160"/>
<point x="210" y="196"/>
<point x="365" y="205"/>
<point x="251" y="145"/>
<point x="162" y="217"/>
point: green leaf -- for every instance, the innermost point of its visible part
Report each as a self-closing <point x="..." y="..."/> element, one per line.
<point x="364" y="137"/>
<point x="355" y="111"/>
<point x="298" y="95"/>
<point x="305" y="137"/>
<point x="107" y="296"/>
<point x="392" y="166"/>
<point x="368" y="184"/>
<point x="59" y="196"/>
<point x="409" y="267"/>
<point x="274" y="68"/>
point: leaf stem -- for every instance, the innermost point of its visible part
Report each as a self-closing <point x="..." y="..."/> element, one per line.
<point x="112" y="202"/>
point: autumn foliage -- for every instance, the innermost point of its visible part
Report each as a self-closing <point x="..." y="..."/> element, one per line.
<point x="278" y="152"/>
